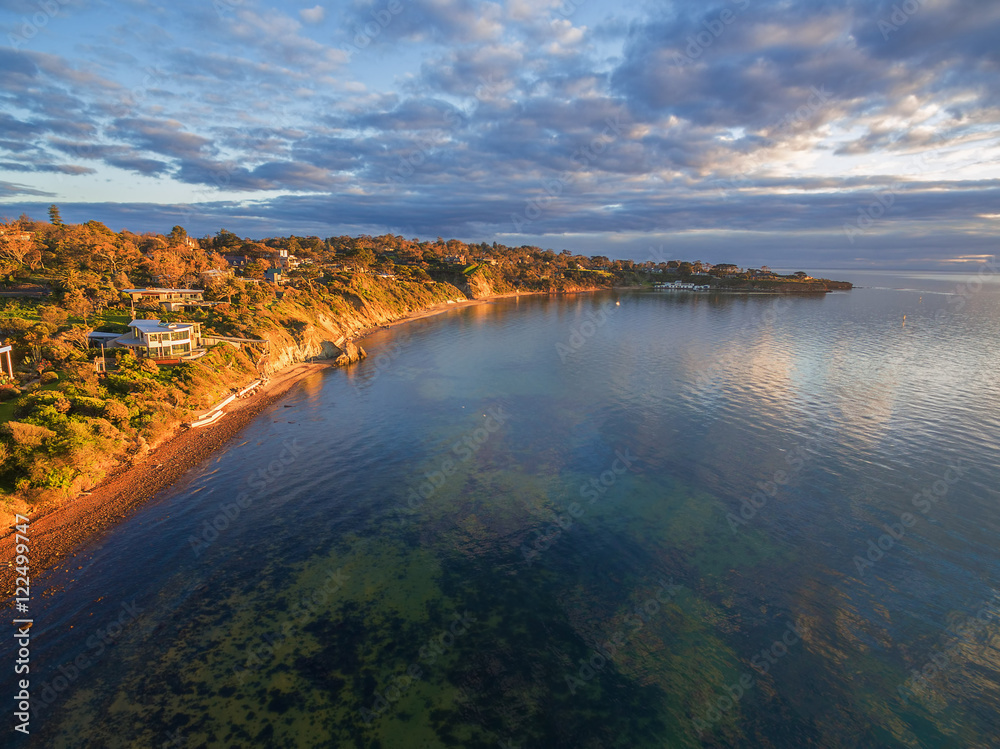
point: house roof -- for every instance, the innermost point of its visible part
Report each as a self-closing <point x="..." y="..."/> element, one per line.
<point x="156" y="326"/>
<point x="161" y="291"/>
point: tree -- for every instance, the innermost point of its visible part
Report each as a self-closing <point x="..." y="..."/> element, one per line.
<point x="178" y="235"/>
<point x="54" y="216"/>
<point x="78" y="336"/>
<point x="230" y="287"/>
<point x="256" y="269"/>
<point x="78" y="305"/>
<point x="225" y="240"/>
<point x="363" y="258"/>
<point x="166" y="267"/>
<point x="15" y="250"/>
<point x="52" y="316"/>
<point x="106" y="251"/>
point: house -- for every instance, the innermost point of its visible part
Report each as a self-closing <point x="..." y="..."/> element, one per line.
<point x="17" y="235"/>
<point x="273" y="275"/>
<point x="162" y="340"/>
<point x="216" y="276"/>
<point x="169" y="299"/>
<point x="674" y="285"/>
<point x="237" y="261"/>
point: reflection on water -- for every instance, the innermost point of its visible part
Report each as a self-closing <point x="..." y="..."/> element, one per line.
<point x="686" y="520"/>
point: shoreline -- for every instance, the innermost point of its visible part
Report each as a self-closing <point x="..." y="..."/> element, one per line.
<point x="59" y="534"/>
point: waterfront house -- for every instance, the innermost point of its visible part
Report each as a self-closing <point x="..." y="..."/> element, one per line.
<point x="168" y="299"/>
<point x="162" y="340"/>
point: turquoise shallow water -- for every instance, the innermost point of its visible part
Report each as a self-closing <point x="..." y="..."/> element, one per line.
<point x="678" y="520"/>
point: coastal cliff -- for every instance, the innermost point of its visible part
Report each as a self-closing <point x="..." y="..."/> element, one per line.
<point x="303" y="327"/>
<point x="67" y="438"/>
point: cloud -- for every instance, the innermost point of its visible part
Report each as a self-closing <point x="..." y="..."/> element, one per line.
<point x="12" y="189"/>
<point x="436" y="21"/>
<point x="55" y="168"/>
<point x="166" y="137"/>
<point x="314" y="15"/>
<point x="277" y="37"/>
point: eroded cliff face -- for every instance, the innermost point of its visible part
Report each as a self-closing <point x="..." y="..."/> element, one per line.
<point x="307" y="327"/>
<point x="483" y="283"/>
<point x="318" y="341"/>
<point x="325" y="328"/>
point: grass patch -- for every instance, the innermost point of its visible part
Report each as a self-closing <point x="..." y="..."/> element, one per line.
<point x="7" y="410"/>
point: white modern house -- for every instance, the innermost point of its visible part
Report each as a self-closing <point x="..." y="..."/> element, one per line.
<point x="162" y="340"/>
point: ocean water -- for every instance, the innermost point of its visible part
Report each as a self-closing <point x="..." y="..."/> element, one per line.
<point x="625" y="519"/>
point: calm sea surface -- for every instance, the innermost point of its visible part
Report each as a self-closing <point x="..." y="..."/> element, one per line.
<point x="628" y="519"/>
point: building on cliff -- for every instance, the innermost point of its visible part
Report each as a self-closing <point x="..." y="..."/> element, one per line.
<point x="162" y="340"/>
<point x="168" y="299"/>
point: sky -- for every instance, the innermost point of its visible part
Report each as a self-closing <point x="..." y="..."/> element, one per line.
<point x="819" y="134"/>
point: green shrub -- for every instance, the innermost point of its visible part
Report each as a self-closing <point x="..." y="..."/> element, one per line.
<point x="83" y="404"/>
<point x="117" y="413"/>
<point x="27" y="435"/>
<point x="33" y="402"/>
<point x="49" y="377"/>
